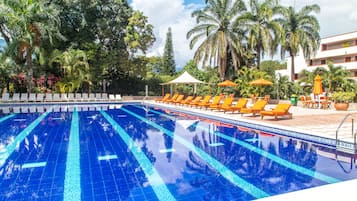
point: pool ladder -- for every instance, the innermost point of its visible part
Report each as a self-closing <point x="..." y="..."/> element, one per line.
<point x="345" y="148"/>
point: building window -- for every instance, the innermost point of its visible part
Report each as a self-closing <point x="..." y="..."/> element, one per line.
<point x="323" y="61"/>
<point x="355" y="74"/>
<point x="296" y="76"/>
<point x="348" y="59"/>
<point x="355" y="58"/>
<point x="311" y="62"/>
<point x="324" y="47"/>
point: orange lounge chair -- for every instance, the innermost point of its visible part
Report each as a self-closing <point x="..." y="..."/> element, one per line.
<point x="216" y="100"/>
<point x="186" y="100"/>
<point x="174" y="97"/>
<point x="256" y="108"/>
<point x="226" y="103"/>
<point x="167" y="96"/>
<point x="178" y="99"/>
<point x="281" y="109"/>
<point x="205" y="100"/>
<point x="195" y="100"/>
<point x="241" y="103"/>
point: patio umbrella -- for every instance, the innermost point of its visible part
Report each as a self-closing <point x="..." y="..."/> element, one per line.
<point x="317" y="90"/>
<point x="260" y="82"/>
<point x="317" y="85"/>
<point x="227" y="83"/>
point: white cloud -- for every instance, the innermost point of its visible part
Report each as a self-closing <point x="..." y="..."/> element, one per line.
<point x="163" y="14"/>
<point x="336" y="17"/>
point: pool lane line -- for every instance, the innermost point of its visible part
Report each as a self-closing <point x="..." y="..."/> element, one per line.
<point x="7" y="117"/>
<point x="72" y="179"/>
<point x="10" y="148"/>
<point x="156" y="182"/>
<point x="215" y="164"/>
<point x="266" y="154"/>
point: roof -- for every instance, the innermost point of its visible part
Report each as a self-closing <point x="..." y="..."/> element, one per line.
<point x="184" y="78"/>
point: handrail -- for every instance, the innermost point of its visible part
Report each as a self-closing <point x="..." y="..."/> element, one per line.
<point x="338" y="128"/>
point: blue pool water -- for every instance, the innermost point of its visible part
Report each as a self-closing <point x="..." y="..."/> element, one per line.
<point x="137" y="152"/>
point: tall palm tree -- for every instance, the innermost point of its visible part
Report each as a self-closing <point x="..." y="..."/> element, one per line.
<point x="215" y="33"/>
<point x="263" y="30"/>
<point x="28" y="23"/>
<point x="300" y="30"/>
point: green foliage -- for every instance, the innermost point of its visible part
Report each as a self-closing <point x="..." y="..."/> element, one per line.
<point x="169" y="67"/>
<point x="343" y="97"/>
<point x="139" y="34"/>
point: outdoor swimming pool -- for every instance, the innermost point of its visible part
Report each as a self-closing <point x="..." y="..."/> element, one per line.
<point x="137" y="152"/>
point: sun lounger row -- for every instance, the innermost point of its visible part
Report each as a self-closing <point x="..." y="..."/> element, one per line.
<point x="282" y="109"/>
<point x="57" y="97"/>
<point x="62" y="108"/>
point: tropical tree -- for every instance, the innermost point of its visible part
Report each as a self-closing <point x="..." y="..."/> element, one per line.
<point x="262" y="29"/>
<point x="139" y="34"/>
<point x="27" y="24"/>
<point x="300" y="30"/>
<point x="74" y="68"/>
<point x="169" y="67"/>
<point x="216" y="32"/>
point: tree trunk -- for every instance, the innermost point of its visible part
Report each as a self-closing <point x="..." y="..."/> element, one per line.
<point x="292" y="72"/>
<point x="258" y="57"/>
<point x="29" y="71"/>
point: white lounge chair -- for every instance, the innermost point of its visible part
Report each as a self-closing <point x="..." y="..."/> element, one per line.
<point x="117" y="97"/>
<point x="5" y="97"/>
<point x="71" y="97"/>
<point x="64" y="97"/>
<point x="56" y="97"/>
<point x="24" y="97"/>
<point x="40" y="97"/>
<point x="48" y="97"/>
<point x="98" y="96"/>
<point x="105" y="97"/>
<point x="91" y="97"/>
<point x="85" y="97"/>
<point x="15" y="97"/>
<point x="32" y="97"/>
<point x="78" y="97"/>
<point x="111" y="97"/>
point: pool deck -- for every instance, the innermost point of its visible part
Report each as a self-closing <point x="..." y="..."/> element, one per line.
<point x="318" y="122"/>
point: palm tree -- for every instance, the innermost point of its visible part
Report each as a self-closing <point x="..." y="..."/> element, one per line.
<point x="74" y="66"/>
<point x="300" y="29"/>
<point x="27" y="24"/>
<point x="216" y="34"/>
<point x="263" y="30"/>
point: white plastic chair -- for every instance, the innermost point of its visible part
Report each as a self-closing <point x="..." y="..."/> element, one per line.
<point x="32" y="97"/>
<point x="117" y="97"/>
<point x="16" y="97"/>
<point x="48" y="97"/>
<point x="56" y="97"/>
<point x="40" y="97"/>
<point x="98" y="96"/>
<point x="78" y="97"/>
<point x="85" y="97"/>
<point x="24" y="97"/>
<point x="5" y="97"/>
<point x="105" y="97"/>
<point x="71" y="97"/>
<point x="111" y="97"/>
<point x="91" y="97"/>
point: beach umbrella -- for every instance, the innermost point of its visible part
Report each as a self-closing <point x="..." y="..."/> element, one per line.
<point x="317" y="90"/>
<point x="260" y="82"/>
<point x="227" y="83"/>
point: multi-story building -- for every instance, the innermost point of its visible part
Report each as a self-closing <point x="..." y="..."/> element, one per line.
<point x="340" y="49"/>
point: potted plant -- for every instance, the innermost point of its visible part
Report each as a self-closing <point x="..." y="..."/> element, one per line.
<point x="342" y="99"/>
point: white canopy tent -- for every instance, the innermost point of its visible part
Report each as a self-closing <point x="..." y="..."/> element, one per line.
<point x="184" y="78"/>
